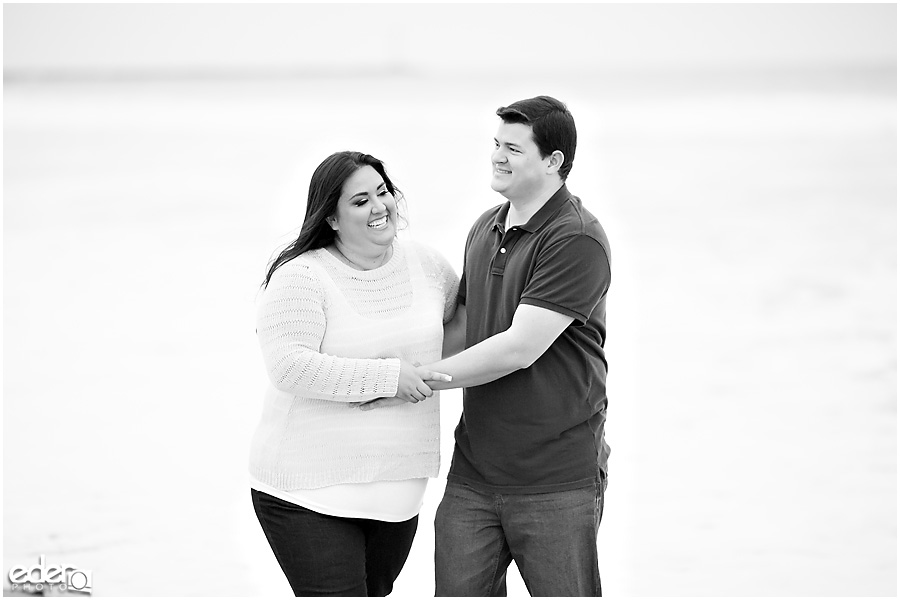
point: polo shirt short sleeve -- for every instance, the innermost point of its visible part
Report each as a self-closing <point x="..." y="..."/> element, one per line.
<point x="570" y="277"/>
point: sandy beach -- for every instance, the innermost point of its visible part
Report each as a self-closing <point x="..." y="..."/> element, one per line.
<point x="752" y="316"/>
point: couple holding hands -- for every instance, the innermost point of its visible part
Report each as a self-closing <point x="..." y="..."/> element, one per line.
<point x="360" y="331"/>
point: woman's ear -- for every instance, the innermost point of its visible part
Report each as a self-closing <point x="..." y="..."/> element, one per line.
<point x="332" y="222"/>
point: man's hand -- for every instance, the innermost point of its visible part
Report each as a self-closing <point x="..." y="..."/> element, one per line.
<point x="378" y="403"/>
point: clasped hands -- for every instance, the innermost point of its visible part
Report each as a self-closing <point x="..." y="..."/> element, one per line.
<point x="413" y="387"/>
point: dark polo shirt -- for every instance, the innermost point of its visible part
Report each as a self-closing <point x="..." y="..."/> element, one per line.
<point x="538" y="429"/>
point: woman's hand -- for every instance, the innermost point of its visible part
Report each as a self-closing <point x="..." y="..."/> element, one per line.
<point x="412" y="386"/>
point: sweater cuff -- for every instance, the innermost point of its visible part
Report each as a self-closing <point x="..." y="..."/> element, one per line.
<point x="391" y="377"/>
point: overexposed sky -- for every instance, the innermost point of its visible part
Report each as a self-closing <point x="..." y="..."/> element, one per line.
<point x="505" y="37"/>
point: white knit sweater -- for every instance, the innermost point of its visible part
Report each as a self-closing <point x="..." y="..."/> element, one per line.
<point x="330" y="335"/>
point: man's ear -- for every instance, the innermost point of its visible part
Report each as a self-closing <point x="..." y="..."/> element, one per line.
<point x="556" y="161"/>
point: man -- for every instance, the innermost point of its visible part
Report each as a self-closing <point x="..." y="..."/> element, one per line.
<point x="528" y="473"/>
<point x="529" y="467"/>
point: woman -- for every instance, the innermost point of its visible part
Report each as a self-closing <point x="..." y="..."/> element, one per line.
<point x="346" y="312"/>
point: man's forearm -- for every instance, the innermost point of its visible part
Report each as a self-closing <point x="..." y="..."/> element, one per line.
<point x="492" y="359"/>
<point x="533" y="330"/>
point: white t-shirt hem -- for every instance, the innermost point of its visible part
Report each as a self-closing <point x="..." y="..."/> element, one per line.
<point x="391" y="501"/>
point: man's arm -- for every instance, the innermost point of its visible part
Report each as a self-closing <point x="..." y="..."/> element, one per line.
<point x="532" y="331"/>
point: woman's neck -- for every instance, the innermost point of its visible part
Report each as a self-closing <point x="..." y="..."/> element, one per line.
<point x="360" y="260"/>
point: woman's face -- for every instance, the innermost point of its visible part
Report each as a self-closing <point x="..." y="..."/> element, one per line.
<point x="366" y="212"/>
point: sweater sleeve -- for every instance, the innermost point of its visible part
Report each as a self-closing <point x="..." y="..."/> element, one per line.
<point x="290" y="326"/>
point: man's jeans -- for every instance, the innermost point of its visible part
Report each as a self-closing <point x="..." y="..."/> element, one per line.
<point x="552" y="537"/>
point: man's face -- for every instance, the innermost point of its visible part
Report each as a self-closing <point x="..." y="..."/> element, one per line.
<point x="519" y="171"/>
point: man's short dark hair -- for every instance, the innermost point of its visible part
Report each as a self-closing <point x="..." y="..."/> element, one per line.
<point x="552" y="125"/>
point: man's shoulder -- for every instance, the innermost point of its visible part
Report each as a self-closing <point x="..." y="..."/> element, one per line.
<point x="574" y="219"/>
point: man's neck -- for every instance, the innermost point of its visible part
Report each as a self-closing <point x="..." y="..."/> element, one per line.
<point x="522" y="209"/>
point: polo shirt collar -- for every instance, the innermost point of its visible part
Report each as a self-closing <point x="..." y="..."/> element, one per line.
<point x="539" y="218"/>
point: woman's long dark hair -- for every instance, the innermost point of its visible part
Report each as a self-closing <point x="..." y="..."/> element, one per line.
<point x="324" y="192"/>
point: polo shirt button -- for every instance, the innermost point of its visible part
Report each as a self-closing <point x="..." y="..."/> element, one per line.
<point x="502" y="250"/>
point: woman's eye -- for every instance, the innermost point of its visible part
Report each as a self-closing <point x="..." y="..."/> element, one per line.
<point x="383" y="193"/>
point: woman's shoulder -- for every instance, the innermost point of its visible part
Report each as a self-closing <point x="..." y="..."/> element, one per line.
<point x="303" y="268"/>
<point x="422" y="251"/>
<point x="434" y="264"/>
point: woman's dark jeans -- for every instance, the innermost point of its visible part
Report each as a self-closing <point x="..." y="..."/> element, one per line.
<point x="323" y="555"/>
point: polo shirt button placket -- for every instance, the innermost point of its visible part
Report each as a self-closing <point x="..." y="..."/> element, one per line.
<point x="498" y="265"/>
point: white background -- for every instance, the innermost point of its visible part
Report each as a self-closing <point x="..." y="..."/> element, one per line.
<point x="742" y="159"/>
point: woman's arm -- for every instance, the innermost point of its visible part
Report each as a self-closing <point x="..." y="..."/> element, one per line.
<point x="291" y="325"/>
<point x="455" y="333"/>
